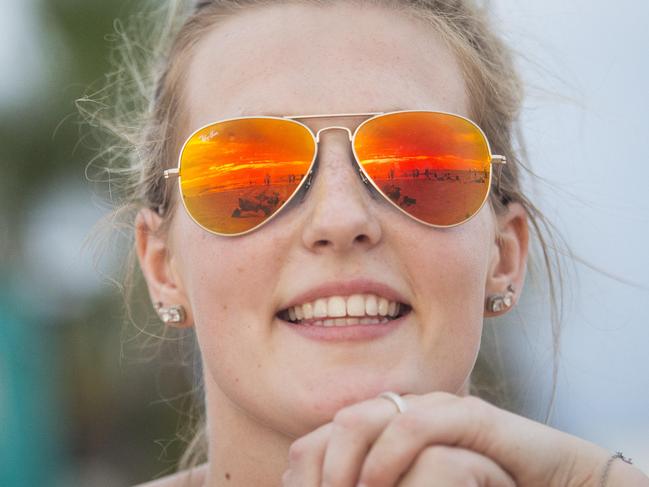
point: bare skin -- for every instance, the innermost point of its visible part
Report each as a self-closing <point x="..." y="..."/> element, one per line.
<point x="282" y="408"/>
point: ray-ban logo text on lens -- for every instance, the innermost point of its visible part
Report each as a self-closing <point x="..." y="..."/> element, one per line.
<point x="209" y="136"/>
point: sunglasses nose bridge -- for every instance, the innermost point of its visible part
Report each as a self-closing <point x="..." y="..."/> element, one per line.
<point x="350" y="136"/>
<point x="339" y="217"/>
<point x="335" y="127"/>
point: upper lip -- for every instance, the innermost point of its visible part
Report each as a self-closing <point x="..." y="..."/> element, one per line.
<point x="346" y="288"/>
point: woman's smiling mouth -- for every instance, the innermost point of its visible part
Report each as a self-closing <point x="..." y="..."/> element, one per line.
<point x="359" y="309"/>
<point x="356" y="309"/>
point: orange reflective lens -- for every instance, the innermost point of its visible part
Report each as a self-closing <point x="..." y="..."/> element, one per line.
<point x="237" y="174"/>
<point x="434" y="166"/>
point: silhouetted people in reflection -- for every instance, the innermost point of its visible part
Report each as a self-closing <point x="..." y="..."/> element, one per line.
<point x="394" y="193"/>
<point x="407" y="201"/>
<point x="261" y="202"/>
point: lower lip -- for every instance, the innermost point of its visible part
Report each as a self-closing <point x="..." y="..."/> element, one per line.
<point x="346" y="333"/>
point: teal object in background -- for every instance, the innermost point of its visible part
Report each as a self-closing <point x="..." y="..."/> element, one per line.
<point x="30" y="445"/>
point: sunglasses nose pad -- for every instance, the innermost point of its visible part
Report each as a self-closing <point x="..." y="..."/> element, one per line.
<point x="309" y="180"/>
<point x="363" y="177"/>
<point x="304" y="190"/>
<point x="374" y="193"/>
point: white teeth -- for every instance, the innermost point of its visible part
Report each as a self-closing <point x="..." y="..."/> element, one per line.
<point x="336" y="322"/>
<point x="337" y="307"/>
<point x="356" y="305"/>
<point x="383" y="306"/>
<point x="299" y="313"/>
<point x="371" y="305"/>
<point x="320" y="308"/>
<point x="364" y="309"/>
<point x="307" y="309"/>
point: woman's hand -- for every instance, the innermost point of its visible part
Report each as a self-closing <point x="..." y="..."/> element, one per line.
<point x="442" y="440"/>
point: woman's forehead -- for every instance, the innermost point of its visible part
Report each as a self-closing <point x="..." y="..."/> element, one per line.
<point x="298" y="59"/>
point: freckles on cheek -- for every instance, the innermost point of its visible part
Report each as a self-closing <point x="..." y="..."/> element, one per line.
<point x="215" y="280"/>
<point x="458" y="266"/>
<point x="224" y="279"/>
<point x="451" y="281"/>
<point x="472" y="244"/>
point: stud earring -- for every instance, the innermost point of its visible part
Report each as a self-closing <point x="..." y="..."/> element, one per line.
<point x="501" y="302"/>
<point x="172" y="315"/>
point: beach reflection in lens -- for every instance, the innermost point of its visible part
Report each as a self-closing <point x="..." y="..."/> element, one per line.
<point x="435" y="166"/>
<point x="236" y="174"/>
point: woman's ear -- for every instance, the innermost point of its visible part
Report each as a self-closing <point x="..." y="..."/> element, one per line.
<point x="158" y="265"/>
<point x="509" y="257"/>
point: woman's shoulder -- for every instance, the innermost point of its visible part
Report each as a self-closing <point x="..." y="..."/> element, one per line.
<point x="194" y="477"/>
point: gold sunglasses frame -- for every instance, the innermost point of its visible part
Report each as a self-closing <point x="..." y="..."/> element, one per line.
<point x="306" y="180"/>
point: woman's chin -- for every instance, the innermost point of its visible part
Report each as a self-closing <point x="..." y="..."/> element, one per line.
<point x="319" y="406"/>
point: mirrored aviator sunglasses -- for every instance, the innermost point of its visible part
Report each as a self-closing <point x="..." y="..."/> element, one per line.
<point x="235" y="175"/>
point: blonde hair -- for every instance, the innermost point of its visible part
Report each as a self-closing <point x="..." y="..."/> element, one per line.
<point x="146" y="95"/>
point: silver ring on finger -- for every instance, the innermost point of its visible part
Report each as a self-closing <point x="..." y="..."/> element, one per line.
<point x="395" y="399"/>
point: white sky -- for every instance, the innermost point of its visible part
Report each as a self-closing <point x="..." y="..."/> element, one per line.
<point x="593" y="144"/>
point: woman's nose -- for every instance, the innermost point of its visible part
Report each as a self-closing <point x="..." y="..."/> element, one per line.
<point x="340" y="215"/>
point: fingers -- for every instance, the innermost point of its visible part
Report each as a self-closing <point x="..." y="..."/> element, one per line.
<point x="439" y="419"/>
<point x="445" y="466"/>
<point x="305" y="459"/>
<point x="354" y="430"/>
<point x="532" y="453"/>
<point x="334" y="456"/>
<point x="371" y="437"/>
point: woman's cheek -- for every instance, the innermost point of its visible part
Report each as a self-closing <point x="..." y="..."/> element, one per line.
<point x="451" y="286"/>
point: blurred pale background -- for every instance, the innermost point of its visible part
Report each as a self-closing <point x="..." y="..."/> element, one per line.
<point x="586" y="125"/>
<point x="76" y="405"/>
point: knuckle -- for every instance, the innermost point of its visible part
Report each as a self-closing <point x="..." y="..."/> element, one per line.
<point x="372" y="475"/>
<point x="438" y="455"/>
<point x="349" y="418"/>
<point x="332" y="478"/>
<point x="450" y="460"/>
<point x="298" y="450"/>
<point x="474" y="403"/>
<point x="286" y="478"/>
<point x="444" y="395"/>
<point x="410" y="422"/>
<point x="481" y="414"/>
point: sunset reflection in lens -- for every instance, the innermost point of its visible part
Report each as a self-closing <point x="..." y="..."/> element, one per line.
<point x="236" y="174"/>
<point x="434" y="166"/>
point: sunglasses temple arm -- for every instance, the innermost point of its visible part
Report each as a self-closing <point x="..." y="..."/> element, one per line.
<point x="170" y="173"/>
<point x="500" y="161"/>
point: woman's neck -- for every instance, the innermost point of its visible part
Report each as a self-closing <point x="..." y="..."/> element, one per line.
<point x="242" y="451"/>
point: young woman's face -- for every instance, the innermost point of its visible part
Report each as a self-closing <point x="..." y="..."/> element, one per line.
<point x="340" y="241"/>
